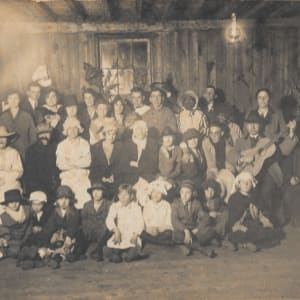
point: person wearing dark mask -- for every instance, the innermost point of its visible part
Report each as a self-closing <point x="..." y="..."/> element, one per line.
<point x="41" y="172"/>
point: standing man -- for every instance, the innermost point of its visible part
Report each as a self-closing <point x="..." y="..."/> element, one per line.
<point x="158" y="117"/>
<point x="16" y="120"/>
<point x="31" y="102"/>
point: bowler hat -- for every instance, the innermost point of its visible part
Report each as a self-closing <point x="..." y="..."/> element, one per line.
<point x="96" y="186"/>
<point x="12" y="196"/>
<point x="187" y="184"/>
<point x="191" y="133"/>
<point x="212" y="183"/>
<point x="70" y="100"/>
<point x="64" y="191"/>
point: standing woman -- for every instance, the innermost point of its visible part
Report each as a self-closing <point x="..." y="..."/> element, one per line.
<point x="106" y="154"/>
<point x="52" y="113"/>
<point x="273" y="122"/>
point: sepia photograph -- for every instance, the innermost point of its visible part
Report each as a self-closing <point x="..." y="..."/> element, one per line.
<point x="150" y="149"/>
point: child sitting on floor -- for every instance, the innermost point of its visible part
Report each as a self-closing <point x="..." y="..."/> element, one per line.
<point x="15" y="225"/>
<point x="191" y="223"/>
<point x="157" y="216"/>
<point x="247" y="225"/>
<point x="63" y="235"/>
<point x="214" y="206"/>
<point x="28" y="257"/>
<point x="93" y="216"/>
<point x="125" y="221"/>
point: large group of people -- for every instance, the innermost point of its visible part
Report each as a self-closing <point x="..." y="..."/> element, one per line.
<point x="105" y="177"/>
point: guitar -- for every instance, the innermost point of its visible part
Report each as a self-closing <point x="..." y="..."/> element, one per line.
<point x="252" y="160"/>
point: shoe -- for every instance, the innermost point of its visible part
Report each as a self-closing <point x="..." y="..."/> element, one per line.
<point x="95" y="255"/>
<point x="116" y="259"/>
<point x="186" y="250"/>
<point x="27" y="265"/>
<point x="54" y="262"/>
<point x="251" y="247"/>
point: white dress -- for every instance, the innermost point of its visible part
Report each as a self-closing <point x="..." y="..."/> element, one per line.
<point x="73" y="158"/>
<point x="130" y="221"/>
<point x="11" y="170"/>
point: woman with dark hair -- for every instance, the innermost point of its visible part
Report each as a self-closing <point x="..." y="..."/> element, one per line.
<point x="52" y="112"/>
<point x="273" y="125"/>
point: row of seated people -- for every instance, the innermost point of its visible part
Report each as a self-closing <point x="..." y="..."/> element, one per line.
<point x="38" y="235"/>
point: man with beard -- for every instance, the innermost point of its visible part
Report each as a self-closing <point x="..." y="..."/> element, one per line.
<point x="41" y="172"/>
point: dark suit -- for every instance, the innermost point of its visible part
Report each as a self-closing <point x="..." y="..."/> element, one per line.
<point x="85" y="121"/>
<point x="26" y="106"/>
<point x="148" y="163"/>
<point x="100" y="167"/>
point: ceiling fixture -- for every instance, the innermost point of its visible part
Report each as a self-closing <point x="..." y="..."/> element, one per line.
<point x="233" y="32"/>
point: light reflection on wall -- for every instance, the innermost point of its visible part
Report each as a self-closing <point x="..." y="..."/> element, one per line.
<point x="234" y="32"/>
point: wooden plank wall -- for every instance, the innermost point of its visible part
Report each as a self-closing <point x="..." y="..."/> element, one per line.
<point x="194" y="58"/>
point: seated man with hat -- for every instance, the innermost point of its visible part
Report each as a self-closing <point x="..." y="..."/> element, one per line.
<point x="73" y="158"/>
<point x="11" y="168"/>
<point x="40" y="170"/>
<point x="93" y="216"/>
<point x="191" y="223"/>
<point x="15" y="225"/>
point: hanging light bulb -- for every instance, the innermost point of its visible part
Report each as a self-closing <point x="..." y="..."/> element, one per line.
<point x="233" y="32"/>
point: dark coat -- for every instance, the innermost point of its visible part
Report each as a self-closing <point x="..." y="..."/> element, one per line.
<point x="100" y="167"/>
<point x="40" y="171"/>
<point x="36" y="115"/>
<point x="70" y="223"/>
<point x="148" y="163"/>
<point x="93" y="222"/>
<point x="85" y="121"/>
<point x="23" y="125"/>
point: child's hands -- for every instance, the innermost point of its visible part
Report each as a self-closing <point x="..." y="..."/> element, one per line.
<point x="253" y="211"/>
<point x="265" y="221"/>
<point x="239" y="227"/>
<point x="3" y="243"/>
<point x="36" y="229"/>
<point x="133" y="239"/>
<point x="187" y="237"/>
<point x="153" y="231"/>
<point x="294" y="180"/>
<point x="117" y="236"/>
<point x="213" y="214"/>
<point x="195" y="231"/>
<point x="134" y="164"/>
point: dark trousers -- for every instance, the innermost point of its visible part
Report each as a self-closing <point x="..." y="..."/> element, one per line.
<point x="118" y="255"/>
<point x="203" y="237"/>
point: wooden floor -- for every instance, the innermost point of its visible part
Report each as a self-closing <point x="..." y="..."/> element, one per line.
<point x="271" y="274"/>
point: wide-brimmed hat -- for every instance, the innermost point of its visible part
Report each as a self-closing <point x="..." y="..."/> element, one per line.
<point x="12" y="196"/>
<point x="38" y="197"/>
<point x="43" y="128"/>
<point x="64" y="191"/>
<point x="70" y="100"/>
<point x="168" y="131"/>
<point x="5" y="133"/>
<point x="212" y="183"/>
<point x="187" y="184"/>
<point x="191" y="133"/>
<point x="96" y="186"/>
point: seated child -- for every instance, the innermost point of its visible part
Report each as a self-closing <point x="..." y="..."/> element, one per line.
<point x="93" y="216"/>
<point x="28" y="257"/>
<point x="247" y="225"/>
<point x="15" y="225"/>
<point x="215" y="207"/>
<point x="191" y="223"/>
<point x="125" y="221"/>
<point x="157" y="216"/>
<point x="63" y="236"/>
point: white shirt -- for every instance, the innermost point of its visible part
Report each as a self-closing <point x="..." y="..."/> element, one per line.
<point x="263" y="111"/>
<point x="158" y="215"/>
<point x="141" y="110"/>
<point x="33" y="103"/>
<point x="128" y="219"/>
<point x="193" y="119"/>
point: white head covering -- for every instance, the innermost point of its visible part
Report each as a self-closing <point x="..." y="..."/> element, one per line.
<point x="41" y="76"/>
<point x="71" y="122"/>
<point x="160" y="185"/>
<point x="243" y="176"/>
<point x="38" y="197"/>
